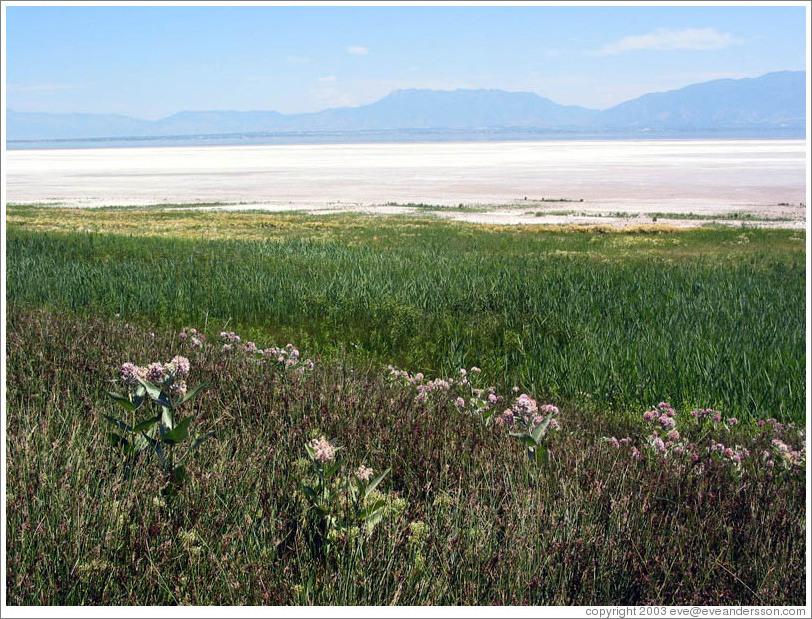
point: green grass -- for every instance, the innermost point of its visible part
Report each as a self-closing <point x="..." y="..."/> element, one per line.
<point x="593" y="527"/>
<point x="602" y="323"/>
<point x="612" y="321"/>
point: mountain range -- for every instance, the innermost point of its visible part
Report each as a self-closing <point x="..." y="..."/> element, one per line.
<point x="771" y="105"/>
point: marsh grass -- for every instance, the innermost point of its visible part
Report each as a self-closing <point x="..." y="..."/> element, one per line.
<point x="606" y="319"/>
<point x="468" y="519"/>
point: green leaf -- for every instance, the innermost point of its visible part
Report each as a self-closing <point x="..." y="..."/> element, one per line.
<point x="541" y="429"/>
<point x="330" y="468"/>
<point x="146" y="423"/>
<point x="191" y="393"/>
<point x="155" y="393"/>
<point x="374" y="483"/>
<point x="178" y="433"/>
<point x="122" y="401"/>
<point x="310" y="493"/>
<point x="160" y="453"/>
<point x="167" y="420"/>
<point x="524" y="438"/>
<point x="118" y="423"/>
<point x="373" y="507"/>
<point x="372" y="519"/>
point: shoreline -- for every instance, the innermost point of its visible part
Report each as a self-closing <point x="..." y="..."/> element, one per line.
<point x="512" y="183"/>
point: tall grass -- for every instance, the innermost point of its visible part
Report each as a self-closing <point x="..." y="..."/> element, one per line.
<point x="469" y="520"/>
<point x="710" y="318"/>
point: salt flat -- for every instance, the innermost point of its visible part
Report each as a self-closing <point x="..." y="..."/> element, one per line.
<point x="508" y="182"/>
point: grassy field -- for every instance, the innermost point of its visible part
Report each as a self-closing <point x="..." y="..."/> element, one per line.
<point x="615" y="499"/>
<point x="614" y="321"/>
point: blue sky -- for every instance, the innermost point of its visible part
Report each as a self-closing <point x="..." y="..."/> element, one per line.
<point x="151" y="61"/>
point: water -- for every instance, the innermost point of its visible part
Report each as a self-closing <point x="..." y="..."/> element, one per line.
<point x="396" y="135"/>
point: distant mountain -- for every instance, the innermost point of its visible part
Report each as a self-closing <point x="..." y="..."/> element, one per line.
<point x="772" y="104"/>
<point x="773" y="100"/>
<point x="36" y="126"/>
<point x="439" y="109"/>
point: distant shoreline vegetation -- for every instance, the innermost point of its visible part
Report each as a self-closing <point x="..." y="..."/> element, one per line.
<point x="508" y="134"/>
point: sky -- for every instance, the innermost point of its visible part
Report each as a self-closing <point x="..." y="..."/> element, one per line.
<point x="152" y="60"/>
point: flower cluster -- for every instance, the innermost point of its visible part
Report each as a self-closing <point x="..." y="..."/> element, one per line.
<point x="323" y="450"/>
<point x="734" y="454"/>
<point x="287" y="357"/>
<point x="453" y="386"/>
<point x="788" y="456"/>
<point x="403" y="377"/>
<point x="665" y="440"/>
<point x="229" y="339"/>
<point x="364" y="473"/>
<point x="192" y="337"/>
<point x="702" y="414"/>
<point x="168" y="375"/>
<point x="527" y="413"/>
<point x="663" y="414"/>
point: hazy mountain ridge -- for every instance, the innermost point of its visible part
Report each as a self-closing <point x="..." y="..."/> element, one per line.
<point x="773" y="101"/>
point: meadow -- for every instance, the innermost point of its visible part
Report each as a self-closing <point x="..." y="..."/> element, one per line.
<point x="563" y="415"/>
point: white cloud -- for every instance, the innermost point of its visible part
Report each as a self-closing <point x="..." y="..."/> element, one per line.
<point x="328" y="78"/>
<point x="357" y="49"/>
<point x="703" y="39"/>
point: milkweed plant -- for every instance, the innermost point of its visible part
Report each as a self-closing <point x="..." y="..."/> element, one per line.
<point x="151" y="420"/>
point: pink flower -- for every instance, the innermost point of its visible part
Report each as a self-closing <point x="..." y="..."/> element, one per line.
<point x="508" y="418"/>
<point x="129" y="374"/>
<point x="525" y="405"/>
<point x="549" y="409"/>
<point x="732" y="421"/>
<point x="156" y="373"/>
<point x="178" y="388"/>
<point x="363" y="473"/>
<point x="614" y="442"/>
<point x="181" y="366"/>
<point x="492" y="398"/>
<point x="667" y="422"/>
<point x="324" y="451"/>
<point x="650" y="415"/>
<point x="460" y="402"/>
<point x="673" y="435"/>
<point x="657" y="444"/>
